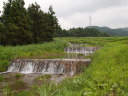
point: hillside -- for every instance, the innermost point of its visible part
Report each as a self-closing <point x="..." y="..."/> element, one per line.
<point x="113" y="32"/>
<point x="125" y="29"/>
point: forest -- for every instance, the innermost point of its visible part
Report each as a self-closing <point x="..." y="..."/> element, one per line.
<point x="20" y="26"/>
<point x="81" y="32"/>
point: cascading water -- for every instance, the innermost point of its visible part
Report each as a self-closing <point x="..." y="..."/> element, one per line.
<point x="48" y="66"/>
<point x="55" y="66"/>
<point x="80" y="50"/>
<point x="76" y="45"/>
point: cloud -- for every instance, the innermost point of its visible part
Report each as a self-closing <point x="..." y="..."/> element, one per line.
<point x="75" y="13"/>
<point x="68" y="7"/>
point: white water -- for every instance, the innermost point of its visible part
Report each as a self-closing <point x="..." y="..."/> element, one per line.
<point x="48" y="66"/>
<point x="80" y="50"/>
<point x="76" y="45"/>
<point x="54" y="66"/>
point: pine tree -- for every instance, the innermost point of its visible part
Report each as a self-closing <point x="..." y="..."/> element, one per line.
<point x="15" y="19"/>
<point x="52" y="24"/>
<point x="37" y="23"/>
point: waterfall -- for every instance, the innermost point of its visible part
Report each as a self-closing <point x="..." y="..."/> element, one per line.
<point x="48" y="66"/>
<point x="76" y="45"/>
<point x="80" y="50"/>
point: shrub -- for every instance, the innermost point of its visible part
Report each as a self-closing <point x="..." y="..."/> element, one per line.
<point x="1" y="78"/>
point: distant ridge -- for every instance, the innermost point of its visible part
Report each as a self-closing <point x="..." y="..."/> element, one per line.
<point x="112" y="32"/>
<point x="125" y="29"/>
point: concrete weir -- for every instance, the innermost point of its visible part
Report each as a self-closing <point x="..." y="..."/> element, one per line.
<point x="48" y="66"/>
<point x="81" y="50"/>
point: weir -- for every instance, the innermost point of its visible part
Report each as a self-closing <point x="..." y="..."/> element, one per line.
<point x="76" y="45"/>
<point x="48" y="66"/>
<point x="72" y="64"/>
<point x="80" y="50"/>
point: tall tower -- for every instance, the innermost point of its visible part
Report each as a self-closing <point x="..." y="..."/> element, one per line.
<point x="90" y="21"/>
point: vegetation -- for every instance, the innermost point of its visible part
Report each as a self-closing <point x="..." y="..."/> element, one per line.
<point x="20" y="26"/>
<point x="1" y="78"/>
<point x="45" y="50"/>
<point x="81" y="32"/>
<point x="42" y="79"/>
<point x="107" y="74"/>
<point x="112" y="32"/>
<point x="18" y="75"/>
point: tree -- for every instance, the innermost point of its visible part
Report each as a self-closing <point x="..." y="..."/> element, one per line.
<point x="15" y="19"/>
<point x="20" y="26"/>
<point x="82" y="32"/>
<point x="52" y="24"/>
<point x="37" y="23"/>
<point x="2" y="34"/>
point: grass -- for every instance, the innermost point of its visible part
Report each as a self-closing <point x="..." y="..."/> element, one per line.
<point x="24" y="93"/>
<point x="18" y="75"/>
<point x="93" y="41"/>
<point x="107" y="74"/>
<point x="1" y="78"/>
<point x="46" y="50"/>
<point x="43" y="79"/>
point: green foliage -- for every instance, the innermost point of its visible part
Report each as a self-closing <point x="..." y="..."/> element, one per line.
<point x="18" y="85"/>
<point x="46" y="90"/>
<point x="41" y="51"/>
<point x="37" y="23"/>
<point x="94" y="41"/>
<point x="43" y="77"/>
<point x="1" y="78"/>
<point x="41" y="80"/>
<point x="112" y="32"/>
<point x="106" y="76"/>
<point x="7" y="91"/>
<point x="24" y="93"/>
<point x="18" y="75"/>
<point x="15" y="21"/>
<point x="81" y="32"/>
<point x="20" y="26"/>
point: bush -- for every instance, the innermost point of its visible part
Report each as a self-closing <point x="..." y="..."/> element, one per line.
<point x="18" y="75"/>
<point x="24" y="93"/>
<point x="1" y="78"/>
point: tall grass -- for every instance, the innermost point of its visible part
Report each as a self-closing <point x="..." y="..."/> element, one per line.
<point x="30" y="51"/>
<point x="94" y="41"/>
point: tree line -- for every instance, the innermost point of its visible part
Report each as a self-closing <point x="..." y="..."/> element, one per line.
<point x="81" y="32"/>
<point x="20" y="26"/>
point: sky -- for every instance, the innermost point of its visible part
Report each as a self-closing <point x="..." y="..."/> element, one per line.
<point x="76" y="13"/>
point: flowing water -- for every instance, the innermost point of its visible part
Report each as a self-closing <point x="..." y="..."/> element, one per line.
<point x="48" y="66"/>
<point x="72" y="63"/>
<point x="80" y="50"/>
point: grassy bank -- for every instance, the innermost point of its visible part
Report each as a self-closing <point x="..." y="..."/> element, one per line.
<point x="46" y="50"/>
<point x="94" y="41"/>
<point x="106" y="76"/>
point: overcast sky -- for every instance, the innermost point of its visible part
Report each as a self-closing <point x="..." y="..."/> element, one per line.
<point x="76" y="13"/>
